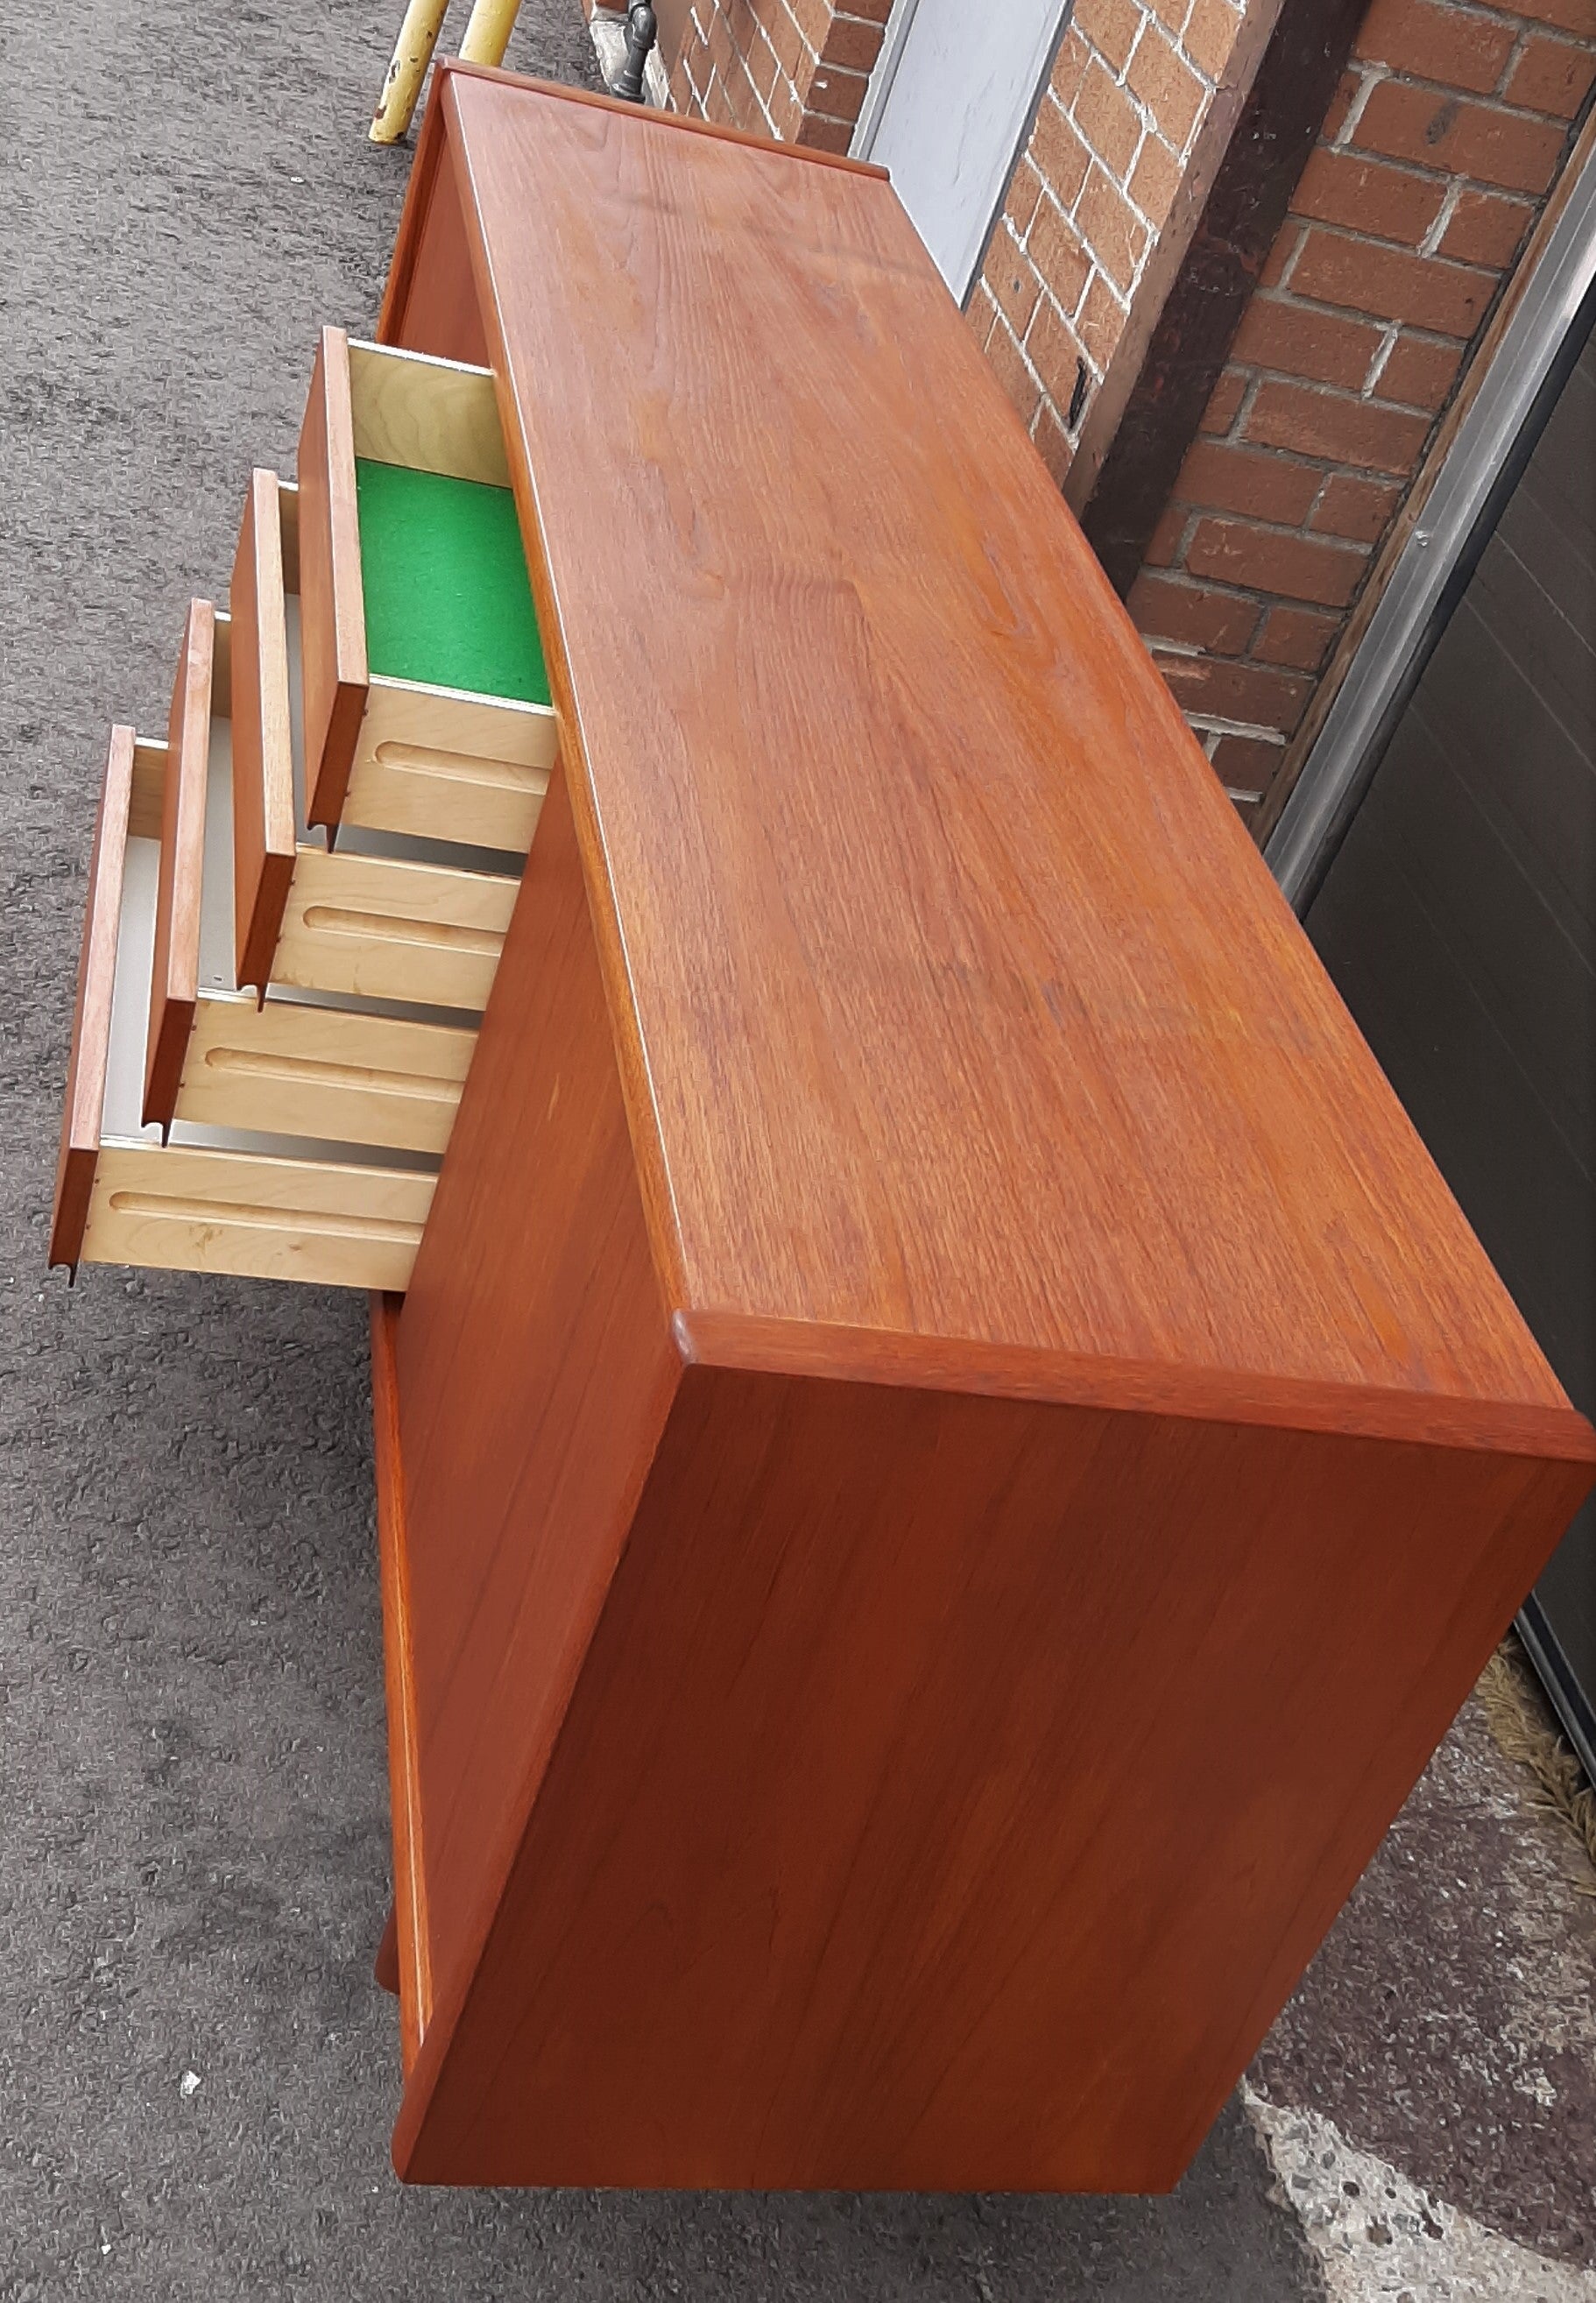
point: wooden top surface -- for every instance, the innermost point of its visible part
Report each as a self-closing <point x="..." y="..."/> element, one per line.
<point x="952" y="999"/>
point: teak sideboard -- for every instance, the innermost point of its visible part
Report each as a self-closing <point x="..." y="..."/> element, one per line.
<point x="946" y="1456"/>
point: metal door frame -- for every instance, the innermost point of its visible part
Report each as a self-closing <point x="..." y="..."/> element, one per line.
<point x="1543" y="340"/>
<point x="1495" y="439"/>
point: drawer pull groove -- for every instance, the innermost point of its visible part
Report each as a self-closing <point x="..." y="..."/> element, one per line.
<point x="462" y="767"/>
<point x="171" y="1208"/>
<point x="313" y="1071"/>
<point x="385" y="927"/>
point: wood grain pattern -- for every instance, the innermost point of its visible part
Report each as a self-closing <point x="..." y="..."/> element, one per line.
<point x="1004" y="1031"/>
<point x="434" y="415"/>
<point x="1215" y="1395"/>
<point x="174" y="985"/>
<point x="146" y="805"/>
<point x="91" y="1014"/>
<point x="441" y="765"/>
<point x="430" y="303"/>
<point x="954" y="1787"/>
<point x="341" y="1075"/>
<point x="331" y="592"/>
<point x="412" y="1972"/>
<point x="389" y="930"/>
<point x="541" y="1265"/>
<point x="263" y="800"/>
<point x="182" y="1209"/>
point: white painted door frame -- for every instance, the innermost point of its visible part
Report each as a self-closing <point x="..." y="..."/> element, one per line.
<point x="1002" y="134"/>
<point x="883" y="76"/>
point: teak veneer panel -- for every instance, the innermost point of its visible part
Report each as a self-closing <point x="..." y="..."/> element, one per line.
<point x="542" y="1265"/>
<point x="85" y="1096"/>
<point x="956" y="1456"/>
<point x="333" y="621"/>
<point x="175" y="984"/>
<point x="991" y="1022"/>
<point x="955" y="1786"/>
<point x="263" y="798"/>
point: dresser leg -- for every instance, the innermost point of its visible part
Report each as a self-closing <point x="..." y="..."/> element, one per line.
<point x="387" y="1955"/>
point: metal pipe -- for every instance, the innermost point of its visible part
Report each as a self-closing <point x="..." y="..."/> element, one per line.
<point x="642" y="30"/>
<point x="412" y="53"/>
<point x="487" y="35"/>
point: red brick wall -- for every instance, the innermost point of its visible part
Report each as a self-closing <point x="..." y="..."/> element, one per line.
<point x="1434" y="162"/>
<point x="1116" y="132"/>
<point x="795" y="69"/>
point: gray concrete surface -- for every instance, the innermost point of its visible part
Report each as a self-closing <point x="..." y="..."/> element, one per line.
<point x="193" y="1834"/>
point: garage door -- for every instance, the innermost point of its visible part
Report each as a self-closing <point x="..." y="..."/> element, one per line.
<point x="1459" y="922"/>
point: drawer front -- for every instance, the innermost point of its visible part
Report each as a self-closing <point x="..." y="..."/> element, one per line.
<point x="438" y="765"/>
<point x="333" y="618"/>
<point x="90" y="1059"/>
<point x="290" y="1069"/>
<point x="180" y="1209"/>
<point x="175" y="983"/>
<point x="263" y="794"/>
<point x="389" y="931"/>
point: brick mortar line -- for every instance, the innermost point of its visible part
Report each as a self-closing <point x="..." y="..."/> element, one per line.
<point x="1280" y="527"/>
<point x="1292" y="300"/>
<point x="1358" y="395"/>
<point x="1301" y="303"/>
<point x="1486" y="100"/>
<point x="1372" y="74"/>
<point x="1352" y="397"/>
<point x="1489" y="12"/>
<point x="1381" y="361"/>
<point x="1356" y="239"/>
<point x="1528" y="25"/>
<point x="1420" y="171"/>
<point x="1244" y="596"/>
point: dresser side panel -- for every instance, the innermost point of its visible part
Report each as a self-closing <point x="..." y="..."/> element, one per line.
<point x="535" y="1367"/>
<point x="956" y="1788"/>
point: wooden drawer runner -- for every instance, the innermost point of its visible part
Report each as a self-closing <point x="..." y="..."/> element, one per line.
<point x="266" y="1206"/>
<point x="426" y="699"/>
<point x="382" y="917"/>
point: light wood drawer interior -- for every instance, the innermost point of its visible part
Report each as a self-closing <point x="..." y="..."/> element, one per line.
<point x="426" y="697"/>
<point x="265" y="1204"/>
<point x="385" y="915"/>
<point x="274" y="1020"/>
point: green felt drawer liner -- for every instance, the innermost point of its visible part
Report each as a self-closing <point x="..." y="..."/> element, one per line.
<point x="447" y="600"/>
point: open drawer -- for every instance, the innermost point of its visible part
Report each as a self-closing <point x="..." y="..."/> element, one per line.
<point x="384" y="917"/>
<point x="295" y="1063"/>
<point x="266" y="1205"/>
<point x="426" y="699"/>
